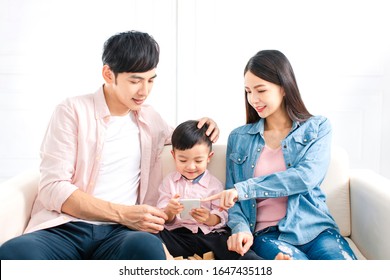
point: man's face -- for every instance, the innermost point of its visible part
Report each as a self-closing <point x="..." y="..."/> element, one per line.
<point x="128" y="91"/>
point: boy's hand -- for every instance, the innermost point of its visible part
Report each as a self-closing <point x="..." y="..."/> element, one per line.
<point x="173" y="207"/>
<point x="203" y="215"/>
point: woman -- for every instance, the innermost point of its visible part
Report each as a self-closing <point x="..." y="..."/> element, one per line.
<point x="275" y="166"/>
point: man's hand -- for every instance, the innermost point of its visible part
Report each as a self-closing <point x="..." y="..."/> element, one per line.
<point x="227" y="198"/>
<point x="212" y="131"/>
<point x="144" y="218"/>
<point x="240" y="242"/>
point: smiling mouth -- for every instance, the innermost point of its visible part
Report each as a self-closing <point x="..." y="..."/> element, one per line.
<point x="260" y="109"/>
<point x="193" y="173"/>
<point x="138" y="101"/>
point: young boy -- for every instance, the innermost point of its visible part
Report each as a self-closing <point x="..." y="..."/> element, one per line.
<point x="205" y="230"/>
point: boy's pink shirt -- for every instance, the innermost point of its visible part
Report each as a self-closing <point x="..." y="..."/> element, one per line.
<point x="71" y="151"/>
<point x="174" y="183"/>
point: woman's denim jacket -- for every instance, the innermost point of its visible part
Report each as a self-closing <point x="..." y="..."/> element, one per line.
<point x="306" y="152"/>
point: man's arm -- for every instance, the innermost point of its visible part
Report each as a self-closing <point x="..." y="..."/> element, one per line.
<point x="139" y="217"/>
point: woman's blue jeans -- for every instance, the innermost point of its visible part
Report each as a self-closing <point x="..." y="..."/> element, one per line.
<point x="79" y="240"/>
<point x="328" y="245"/>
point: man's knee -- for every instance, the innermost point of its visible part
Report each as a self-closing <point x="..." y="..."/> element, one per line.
<point x="143" y="246"/>
<point x="19" y="248"/>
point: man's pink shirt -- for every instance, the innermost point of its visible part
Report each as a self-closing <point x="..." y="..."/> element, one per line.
<point x="71" y="152"/>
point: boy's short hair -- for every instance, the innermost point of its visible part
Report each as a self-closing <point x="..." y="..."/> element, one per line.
<point x="187" y="135"/>
<point x="131" y="51"/>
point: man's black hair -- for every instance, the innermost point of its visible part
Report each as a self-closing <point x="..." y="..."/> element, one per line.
<point x="131" y="51"/>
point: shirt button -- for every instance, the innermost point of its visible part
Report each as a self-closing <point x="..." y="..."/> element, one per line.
<point x="253" y="166"/>
<point x="289" y="164"/>
<point x="239" y="159"/>
<point x="253" y="205"/>
<point x="305" y="140"/>
<point x="285" y="146"/>
<point x="251" y="225"/>
<point x="266" y="194"/>
<point x="246" y="196"/>
<point x="258" y="149"/>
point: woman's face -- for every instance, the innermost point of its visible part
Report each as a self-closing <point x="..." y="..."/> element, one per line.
<point x="265" y="97"/>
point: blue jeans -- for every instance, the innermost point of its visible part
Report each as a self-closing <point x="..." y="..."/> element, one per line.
<point x="328" y="245"/>
<point x="79" y="240"/>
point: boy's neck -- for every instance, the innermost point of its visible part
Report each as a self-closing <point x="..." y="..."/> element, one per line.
<point x="195" y="180"/>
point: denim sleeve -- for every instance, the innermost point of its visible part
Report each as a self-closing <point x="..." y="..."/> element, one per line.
<point x="308" y="167"/>
<point x="237" y="220"/>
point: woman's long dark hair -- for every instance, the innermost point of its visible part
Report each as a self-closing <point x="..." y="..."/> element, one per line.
<point x="274" y="67"/>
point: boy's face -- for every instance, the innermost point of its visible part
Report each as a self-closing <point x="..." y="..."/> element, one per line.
<point x="128" y="91"/>
<point x="192" y="162"/>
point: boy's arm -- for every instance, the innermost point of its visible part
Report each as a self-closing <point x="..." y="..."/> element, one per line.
<point x="168" y="201"/>
<point x="218" y="217"/>
<point x="213" y="220"/>
<point x="173" y="207"/>
<point x="170" y="215"/>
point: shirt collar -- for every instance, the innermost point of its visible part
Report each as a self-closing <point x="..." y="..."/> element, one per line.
<point x="258" y="127"/>
<point x="201" y="180"/>
<point x="101" y="108"/>
<point x="196" y="180"/>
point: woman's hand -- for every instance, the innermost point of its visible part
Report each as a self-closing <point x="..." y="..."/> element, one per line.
<point x="240" y="242"/>
<point x="227" y="198"/>
<point x="212" y="131"/>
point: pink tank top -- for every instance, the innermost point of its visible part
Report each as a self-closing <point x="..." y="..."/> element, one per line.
<point x="270" y="210"/>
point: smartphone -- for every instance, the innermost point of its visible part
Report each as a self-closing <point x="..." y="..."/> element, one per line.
<point x="188" y="203"/>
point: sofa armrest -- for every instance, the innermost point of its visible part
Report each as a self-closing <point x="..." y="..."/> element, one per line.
<point x="17" y="196"/>
<point x="370" y="208"/>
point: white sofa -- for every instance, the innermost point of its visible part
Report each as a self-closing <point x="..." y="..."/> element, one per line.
<point x="358" y="199"/>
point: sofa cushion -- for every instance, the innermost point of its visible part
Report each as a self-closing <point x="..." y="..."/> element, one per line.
<point x="17" y="196"/>
<point x="336" y="188"/>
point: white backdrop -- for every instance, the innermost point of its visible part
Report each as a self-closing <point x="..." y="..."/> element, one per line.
<point x="340" y="51"/>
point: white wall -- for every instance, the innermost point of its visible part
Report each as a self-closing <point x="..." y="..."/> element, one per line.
<point x="50" y="50"/>
<point x="340" y="52"/>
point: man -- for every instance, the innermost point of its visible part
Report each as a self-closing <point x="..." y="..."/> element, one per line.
<point x="100" y="167"/>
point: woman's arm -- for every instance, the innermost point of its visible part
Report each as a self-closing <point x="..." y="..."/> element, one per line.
<point x="306" y="172"/>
